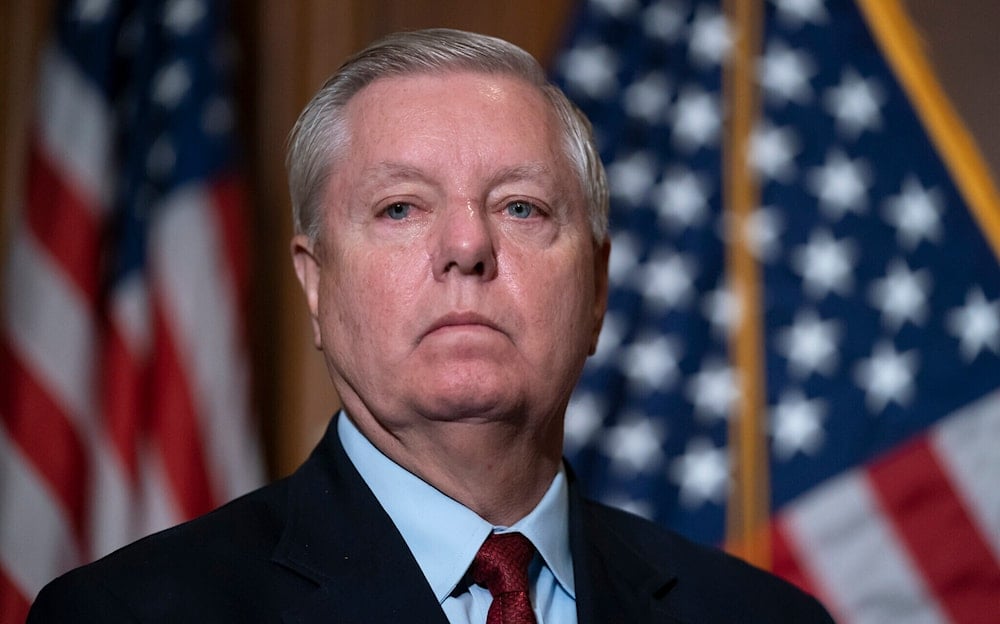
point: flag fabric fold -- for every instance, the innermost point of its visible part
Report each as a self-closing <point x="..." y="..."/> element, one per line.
<point x="873" y="238"/>
<point x="124" y="380"/>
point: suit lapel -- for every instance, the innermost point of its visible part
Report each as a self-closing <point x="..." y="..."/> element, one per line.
<point x="614" y="583"/>
<point x="340" y="537"/>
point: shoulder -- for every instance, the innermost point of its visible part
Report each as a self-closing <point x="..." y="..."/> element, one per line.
<point x="706" y="584"/>
<point x="220" y="558"/>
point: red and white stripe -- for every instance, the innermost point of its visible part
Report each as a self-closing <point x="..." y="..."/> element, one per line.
<point x="913" y="537"/>
<point x="89" y="460"/>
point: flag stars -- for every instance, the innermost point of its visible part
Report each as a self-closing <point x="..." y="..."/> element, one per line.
<point x="631" y="177"/>
<point x="915" y="213"/>
<point x="810" y="344"/>
<point x="697" y="118"/>
<point x="826" y="265"/>
<point x="797" y="425"/>
<point x="651" y="363"/>
<point x="682" y="199"/>
<point x="976" y="324"/>
<point x="647" y="98"/>
<point x="855" y="104"/>
<point x="217" y="117"/>
<point x="722" y="309"/>
<point x="886" y="377"/>
<point x="667" y="279"/>
<point x="713" y="390"/>
<point x="795" y="13"/>
<point x="784" y="74"/>
<point x="617" y="8"/>
<point x="161" y="158"/>
<point x="762" y="230"/>
<point x="635" y="445"/>
<point x="639" y="507"/>
<point x="665" y="20"/>
<point x="711" y="38"/>
<point x="702" y="473"/>
<point x="583" y="420"/>
<point x="591" y="69"/>
<point x="624" y="257"/>
<point x="841" y="185"/>
<point x="181" y="16"/>
<point x="91" y="11"/>
<point x="773" y="151"/>
<point x="901" y="295"/>
<point x="171" y="84"/>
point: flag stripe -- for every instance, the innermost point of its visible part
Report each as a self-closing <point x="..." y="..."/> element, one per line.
<point x="50" y="326"/>
<point x="76" y="128"/>
<point x="941" y="538"/>
<point x="35" y="540"/>
<point x="966" y="445"/>
<point x="108" y="483"/>
<point x="105" y="420"/>
<point x="174" y="423"/>
<point x="13" y="604"/>
<point x="227" y="197"/>
<point x="785" y="561"/>
<point x="843" y="537"/>
<point x="158" y="504"/>
<point x="63" y="223"/>
<point x="219" y="385"/>
<point x="122" y="385"/>
<point x="39" y="427"/>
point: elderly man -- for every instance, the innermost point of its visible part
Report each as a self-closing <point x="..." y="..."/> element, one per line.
<point x="451" y="219"/>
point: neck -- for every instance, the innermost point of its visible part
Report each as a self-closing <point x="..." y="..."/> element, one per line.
<point x="499" y="469"/>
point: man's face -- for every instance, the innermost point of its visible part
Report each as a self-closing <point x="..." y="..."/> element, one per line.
<point x="455" y="276"/>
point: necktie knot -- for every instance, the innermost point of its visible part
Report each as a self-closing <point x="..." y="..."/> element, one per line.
<point x="501" y="566"/>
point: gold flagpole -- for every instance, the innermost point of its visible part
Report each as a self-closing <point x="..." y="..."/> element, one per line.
<point x="748" y="511"/>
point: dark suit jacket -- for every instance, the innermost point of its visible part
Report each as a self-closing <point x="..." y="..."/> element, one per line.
<point x="318" y="547"/>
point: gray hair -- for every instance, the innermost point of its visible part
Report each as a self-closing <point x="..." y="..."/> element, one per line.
<point x="320" y="133"/>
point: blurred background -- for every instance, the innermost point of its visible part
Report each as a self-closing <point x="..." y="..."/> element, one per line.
<point x="287" y="50"/>
<point x="276" y="55"/>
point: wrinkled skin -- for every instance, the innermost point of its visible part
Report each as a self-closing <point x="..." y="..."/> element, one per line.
<point x="456" y="288"/>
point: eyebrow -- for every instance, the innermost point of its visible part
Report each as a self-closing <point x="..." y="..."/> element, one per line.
<point x="388" y="171"/>
<point x="528" y="171"/>
<point x="391" y="171"/>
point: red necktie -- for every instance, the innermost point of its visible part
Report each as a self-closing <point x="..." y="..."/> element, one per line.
<point x="501" y="566"/>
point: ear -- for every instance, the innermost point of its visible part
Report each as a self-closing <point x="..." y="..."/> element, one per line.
<point x="602" y="255"/>
<point x="307" y="268"/>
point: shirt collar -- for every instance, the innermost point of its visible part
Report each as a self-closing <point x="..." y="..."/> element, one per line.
<point x="444" y="535"/>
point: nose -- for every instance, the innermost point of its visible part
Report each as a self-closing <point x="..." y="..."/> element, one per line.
<point x="464" y="244"/>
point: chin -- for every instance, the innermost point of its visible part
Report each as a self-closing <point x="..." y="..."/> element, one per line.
<point x="462" y="400"/>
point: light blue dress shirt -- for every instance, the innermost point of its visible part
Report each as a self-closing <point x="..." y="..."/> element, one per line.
<point x="444" y="536"/>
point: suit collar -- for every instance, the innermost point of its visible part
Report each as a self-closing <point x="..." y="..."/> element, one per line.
<point x="614" y="581"/>
<point x="339" y="537"/>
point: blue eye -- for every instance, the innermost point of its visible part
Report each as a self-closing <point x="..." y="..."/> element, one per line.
<point x="398" y="211"/>
<point x="520" y="209"/>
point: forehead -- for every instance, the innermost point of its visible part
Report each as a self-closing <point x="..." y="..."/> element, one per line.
<point x="453" y="113"/>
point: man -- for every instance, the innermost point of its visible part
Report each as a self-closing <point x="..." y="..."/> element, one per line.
<point x="451" y="213"/>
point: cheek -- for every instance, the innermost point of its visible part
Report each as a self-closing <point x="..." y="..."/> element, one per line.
<point x="374" y="292"/>
<point x="559" y="302"/>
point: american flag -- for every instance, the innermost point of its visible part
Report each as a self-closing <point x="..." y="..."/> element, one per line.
<point x="859" y="330"/>
<point x="124" y="404"/>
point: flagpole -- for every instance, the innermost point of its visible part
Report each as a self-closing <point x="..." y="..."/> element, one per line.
<point x="749" y="498"/>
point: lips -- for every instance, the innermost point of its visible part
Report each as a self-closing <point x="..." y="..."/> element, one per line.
<point x="462" y="320"/>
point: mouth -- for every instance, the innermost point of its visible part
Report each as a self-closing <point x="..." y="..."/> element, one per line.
<point x="461" y="321"/>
